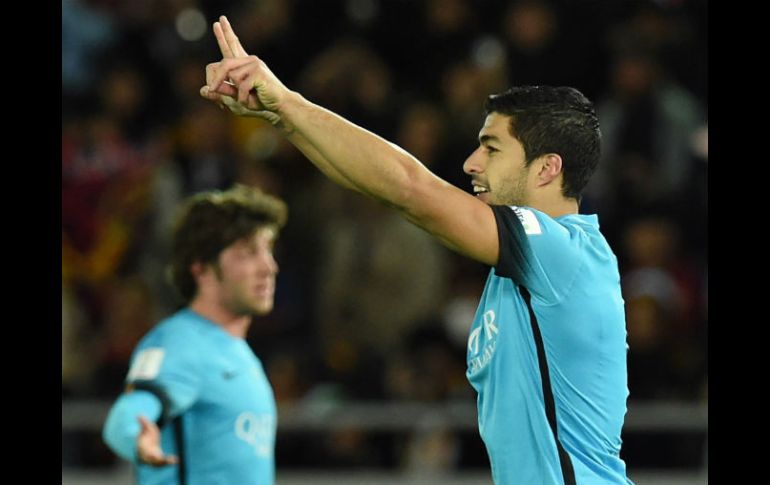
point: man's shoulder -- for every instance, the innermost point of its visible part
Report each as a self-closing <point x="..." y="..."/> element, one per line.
<point x="176" y="328"/>
<point x="536" y="222"/>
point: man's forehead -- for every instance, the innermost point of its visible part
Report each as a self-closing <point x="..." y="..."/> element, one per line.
<point x="495" y="126"/>
<point x="264" y="233"/>
<point x="268" y="233"/>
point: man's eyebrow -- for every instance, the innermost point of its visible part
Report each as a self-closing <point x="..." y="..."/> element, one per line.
<point x="487" y="138"/>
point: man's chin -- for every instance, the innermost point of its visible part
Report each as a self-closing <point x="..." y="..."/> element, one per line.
<point x="262" y="308"/>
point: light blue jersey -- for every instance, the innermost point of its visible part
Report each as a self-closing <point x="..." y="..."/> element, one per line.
<point x="547" y="353"/>
<point x="218" y="411"/>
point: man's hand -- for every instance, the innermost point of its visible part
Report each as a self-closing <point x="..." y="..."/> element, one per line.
<point x="242" y="83"/>
<point x="230" y="48"/>
<point x="259" y="102"/>
<point x="148" y="448"/>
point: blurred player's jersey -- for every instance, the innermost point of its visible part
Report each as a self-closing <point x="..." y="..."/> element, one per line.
<point x="547" y="353"/>
<point x="219" y="409"/>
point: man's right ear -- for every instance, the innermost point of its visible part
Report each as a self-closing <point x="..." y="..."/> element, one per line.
<point x="197" y="269"/>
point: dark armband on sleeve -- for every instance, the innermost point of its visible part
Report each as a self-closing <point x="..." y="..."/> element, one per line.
<point x="160" y="393"/>
<point x="515" y="252"/>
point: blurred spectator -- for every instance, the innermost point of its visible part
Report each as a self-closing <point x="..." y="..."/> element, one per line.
<point x="128" y="315"/>
<point x="77" y="360"/>
<point x="352" y="80"/>
<point x="660" y="287"/>
<point x="648" y="122"/>
<point x="203" y="149"/>
<point x="379" y="277"/>
<point x="87" y="34"/>
<point x="534" y="54"/>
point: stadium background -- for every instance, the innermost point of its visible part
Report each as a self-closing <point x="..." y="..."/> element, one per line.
<point x="365" y="348"/>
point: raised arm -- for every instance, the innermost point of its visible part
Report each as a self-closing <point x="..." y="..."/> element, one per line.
<point x="373" y="165"/>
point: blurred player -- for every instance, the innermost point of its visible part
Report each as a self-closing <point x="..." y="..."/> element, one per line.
<point x="198" y="408"/>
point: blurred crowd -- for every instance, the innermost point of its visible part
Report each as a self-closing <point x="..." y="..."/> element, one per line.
<point x="369" y="307"/>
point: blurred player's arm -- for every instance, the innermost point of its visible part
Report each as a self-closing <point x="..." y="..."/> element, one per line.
<point x="163" y="382"/>
<point x="130" y="429"/>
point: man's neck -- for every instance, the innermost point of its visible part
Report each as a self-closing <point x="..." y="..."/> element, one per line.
<point x="556" y="207"/>
<point x="235" y="325"/>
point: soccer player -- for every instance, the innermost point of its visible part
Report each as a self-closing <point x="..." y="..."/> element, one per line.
<point x="547" y="348"/>
<point x="198" y="408"/>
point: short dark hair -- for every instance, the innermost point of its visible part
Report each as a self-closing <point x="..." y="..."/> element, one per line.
<point x="211" y="221"/>
<point x="560" y="120"/>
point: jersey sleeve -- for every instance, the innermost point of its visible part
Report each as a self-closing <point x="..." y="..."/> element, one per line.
<point x="122" y="425"/>
<point x="536" y="252"/>
<point x="166" y="366"/>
